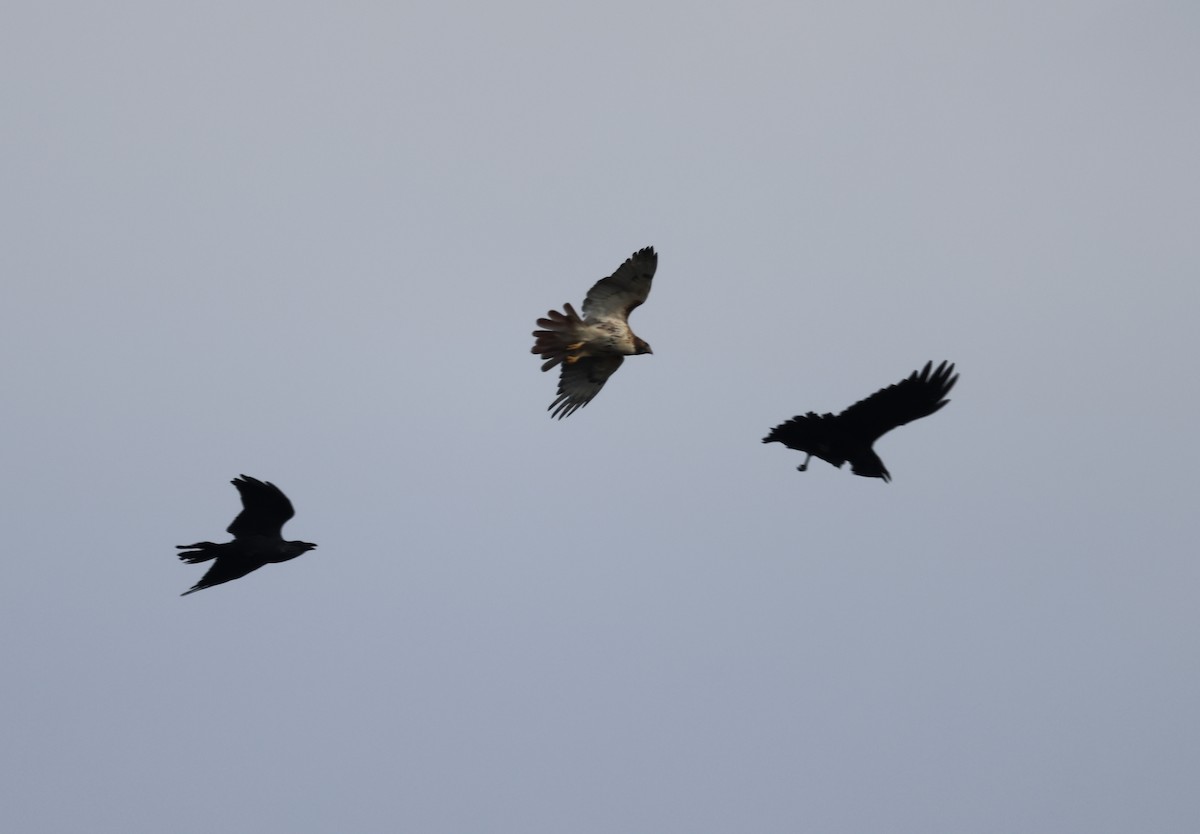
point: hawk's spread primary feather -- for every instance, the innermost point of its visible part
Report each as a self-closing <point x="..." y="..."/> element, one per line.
<point x="849" y="436"/>
<point x="257" y="536"/>
<point x="591" y="348"/>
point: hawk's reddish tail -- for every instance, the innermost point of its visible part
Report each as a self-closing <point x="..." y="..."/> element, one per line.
<point x="555" y="342"/>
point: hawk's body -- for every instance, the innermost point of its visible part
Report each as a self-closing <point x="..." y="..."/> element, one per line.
<point x="257" y="536"/>
<point x="850" y="436"/>
<point x="591" y="347"/>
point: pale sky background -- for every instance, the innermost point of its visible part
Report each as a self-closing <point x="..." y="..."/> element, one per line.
<point x="308" y="242"/>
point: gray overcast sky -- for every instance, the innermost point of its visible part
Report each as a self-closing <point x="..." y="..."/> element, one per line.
<point x="308" y="242"/>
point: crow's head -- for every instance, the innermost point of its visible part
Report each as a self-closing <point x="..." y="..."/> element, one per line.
<point x="293" y="549"/>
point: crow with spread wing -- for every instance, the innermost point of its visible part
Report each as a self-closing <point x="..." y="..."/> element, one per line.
<point x="849" y="436"/>
<point x="591" y="348"/>
<point x="257" y="536"/>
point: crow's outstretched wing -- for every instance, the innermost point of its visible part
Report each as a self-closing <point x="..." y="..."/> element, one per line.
<point x="620" y="293"/>
<point x="225" y="569"/>
<point x="919" y="395"/>
<point x="581" y="381"/>
<point x="265" y="509"/>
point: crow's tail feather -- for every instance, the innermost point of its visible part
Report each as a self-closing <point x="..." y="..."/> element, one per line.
<point x="199" y="552"/>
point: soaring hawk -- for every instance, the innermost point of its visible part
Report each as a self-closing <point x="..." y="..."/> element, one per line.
<point x="850" y="435"/>
<point x="591" y="348"/>
<point x="257" y="538"/>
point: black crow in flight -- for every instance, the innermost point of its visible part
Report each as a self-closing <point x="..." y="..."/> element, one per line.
<point x="850" y="435"/>
<point x="257" y="538"/>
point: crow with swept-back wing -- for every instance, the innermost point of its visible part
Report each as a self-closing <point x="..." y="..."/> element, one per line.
<point x="850" y="435"/>
<point x="591" y="348"/>
<point x="257" y="536"/>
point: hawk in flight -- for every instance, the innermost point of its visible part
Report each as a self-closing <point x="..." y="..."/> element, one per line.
<point x="257" y="538"/>
<point x="590" y="349"/>
<point x="850" y="435"/>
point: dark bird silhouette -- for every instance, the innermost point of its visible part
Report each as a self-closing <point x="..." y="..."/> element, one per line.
<point x="850" y="435"/>
<point x="257" y="538"/>
<point x="591" y="348"/>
